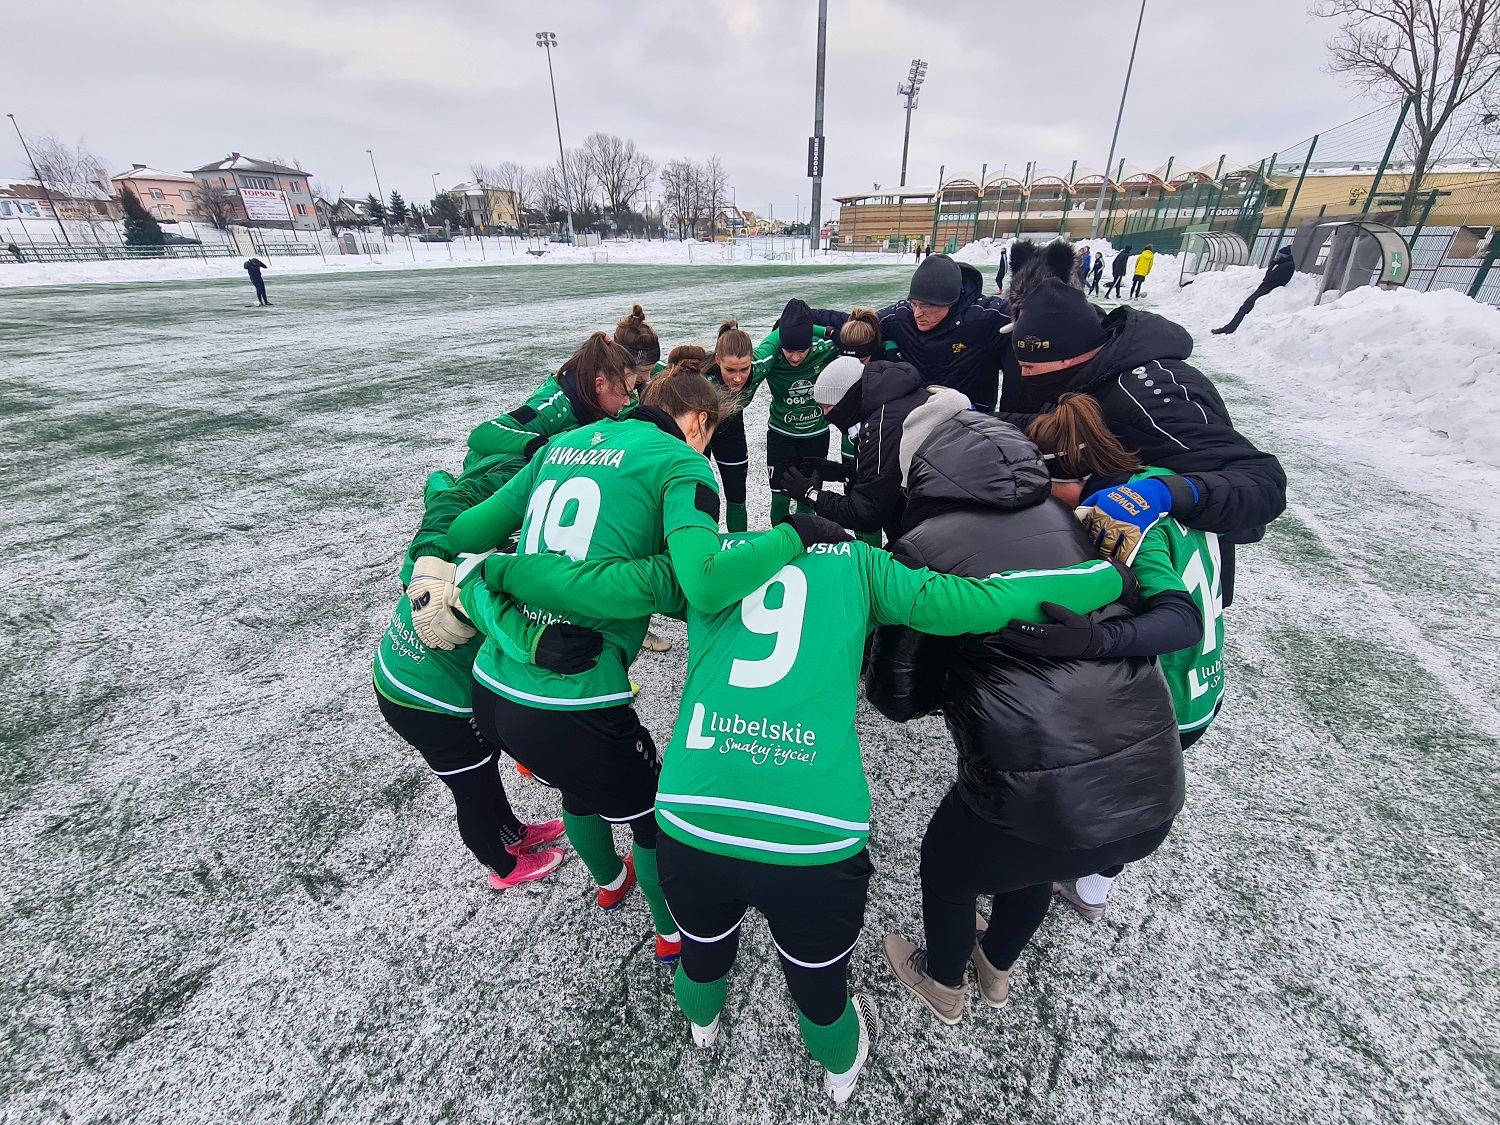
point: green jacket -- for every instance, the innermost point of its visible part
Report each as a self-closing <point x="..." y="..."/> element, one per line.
<point x="518" y="433"/>
<point x="794" y="411"/>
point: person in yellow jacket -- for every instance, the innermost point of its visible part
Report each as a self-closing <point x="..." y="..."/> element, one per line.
<point x="1142" y="268"/>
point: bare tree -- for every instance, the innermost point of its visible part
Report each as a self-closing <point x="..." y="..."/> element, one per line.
<point x="214" y="203"/>
<point x="681" y="194"/>
<point x="1438" y="53"/>
<point x="715" y="185"/>
<point x="621" y="171"/>
<point x="511" y="177"/>
<point x="75" y="178"/>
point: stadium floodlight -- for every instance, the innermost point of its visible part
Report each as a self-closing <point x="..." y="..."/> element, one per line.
<point x="1114" y="140"/>
<point x="909" y="90"/>
<point x="547" y="40"/>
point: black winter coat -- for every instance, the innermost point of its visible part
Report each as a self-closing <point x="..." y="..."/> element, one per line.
<point x="1120" y="264"/>
<point x="1278" y="273"/>
<point x="1067" y="754"/>
<point x="872" y="499"/>
<point x="963" y="351"/>
<point x="1170" y="414"/>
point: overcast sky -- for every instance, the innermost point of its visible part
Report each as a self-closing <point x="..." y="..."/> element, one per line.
<point x="435" y="85"/>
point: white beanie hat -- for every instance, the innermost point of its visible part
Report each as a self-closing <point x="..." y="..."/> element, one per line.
<point x="945" y="403"/>
<point x="836" y="379"/>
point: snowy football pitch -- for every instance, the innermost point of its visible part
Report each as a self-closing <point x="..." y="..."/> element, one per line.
<point x="230" y="894"/>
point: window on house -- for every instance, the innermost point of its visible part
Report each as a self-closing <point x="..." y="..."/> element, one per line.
<point x="301" y="209"/>
<point x="1276" y="197"/>
<point x="156" y="193"/>
<point x="264" y="182"/>
<point x="186" y="195"/>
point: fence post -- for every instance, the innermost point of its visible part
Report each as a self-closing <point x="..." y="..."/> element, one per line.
<point x="1487" y="264"/>
<point x="1422" y="222"/>
<point x="979" y="203"/>
<point x="937" y="206"/>
<point x="1286" y="220"/>
<point x="1386" y="159"/>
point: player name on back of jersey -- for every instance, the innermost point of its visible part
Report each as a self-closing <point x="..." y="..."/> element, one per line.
<point x="566" y="455"/>
<point x="763" y="738"/>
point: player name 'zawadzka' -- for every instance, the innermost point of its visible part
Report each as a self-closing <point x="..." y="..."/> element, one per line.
<point x="562" y="455"/>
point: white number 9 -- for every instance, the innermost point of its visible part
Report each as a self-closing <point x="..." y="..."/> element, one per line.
<point x="784" y="622"/>
<point x="545" y="511"/>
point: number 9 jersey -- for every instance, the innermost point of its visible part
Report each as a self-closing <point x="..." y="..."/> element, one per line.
<point x="611" y="491"/>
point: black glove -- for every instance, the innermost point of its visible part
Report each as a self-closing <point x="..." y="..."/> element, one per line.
<point x="815" y="529"/>
<point x="832" y="470"/>
<point x="1130" y="586"/>
<point x="1074" y="637"/>
<point x="567" y="649"/>
<point x="800" y="487"/>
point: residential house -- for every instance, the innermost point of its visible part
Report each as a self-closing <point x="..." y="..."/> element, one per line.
<point x="343" y="212"/>
<point x="267" y="194"/>
<point x="167" y="195"/>
<point x="491" y="208"/>
<point x="25" y="199"/>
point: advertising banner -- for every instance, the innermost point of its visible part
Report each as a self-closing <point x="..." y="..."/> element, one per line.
<point x="266" y="205"/>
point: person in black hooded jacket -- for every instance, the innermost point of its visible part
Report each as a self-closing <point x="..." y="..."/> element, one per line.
<point x="868" y="399"/>
<point x="1065" y="767"/>
<point x="1278" y="273"/>
<point x="1166" y="411"/>
<point x="1117" y="267"/>
<point x="946" y="328"/>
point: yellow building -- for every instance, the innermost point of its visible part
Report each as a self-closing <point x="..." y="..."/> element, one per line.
<point x="1466" y="195"/>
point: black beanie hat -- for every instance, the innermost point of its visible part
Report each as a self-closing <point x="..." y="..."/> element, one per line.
<point x="796" y="326"/>
<point x="938" y="281"/>
<point x="1056" y="323"/>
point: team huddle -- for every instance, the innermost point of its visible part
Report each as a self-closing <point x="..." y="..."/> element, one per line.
<point x="1031" y="530"/>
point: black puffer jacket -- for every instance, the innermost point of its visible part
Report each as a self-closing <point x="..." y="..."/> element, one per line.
<point x="1170" y="414"/>
<point x="963" y="350"/>
<point x="872" y="500"/>
<point x="1067" y="754"/>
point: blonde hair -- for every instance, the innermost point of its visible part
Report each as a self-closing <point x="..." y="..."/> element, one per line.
<point x="733" y="341"/>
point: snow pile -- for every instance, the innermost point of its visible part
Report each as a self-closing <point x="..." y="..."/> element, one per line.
<point x="399" y="255"/>
<point x="986" y="251"/>
<point x="1421" y="370"/>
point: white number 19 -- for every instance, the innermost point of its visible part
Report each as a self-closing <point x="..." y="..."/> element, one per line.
<point x="784" y="622"/>
<point x="545" y="511"/>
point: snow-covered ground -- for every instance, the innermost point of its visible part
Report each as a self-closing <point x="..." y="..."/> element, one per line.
<point x="231" y="894"/>
<point x="399" y="254"/>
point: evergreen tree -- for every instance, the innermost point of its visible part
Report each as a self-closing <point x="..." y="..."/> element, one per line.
<point x="375" y="208"/>
<point x="141" y="227"/>
<point x="398" y="209"/>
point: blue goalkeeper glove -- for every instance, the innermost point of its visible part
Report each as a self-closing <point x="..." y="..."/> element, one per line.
<point x="1118" y="518"/>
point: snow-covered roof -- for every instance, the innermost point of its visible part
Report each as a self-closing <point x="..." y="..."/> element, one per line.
<point x="145" y="172"/>
<point x="234" y="162"/>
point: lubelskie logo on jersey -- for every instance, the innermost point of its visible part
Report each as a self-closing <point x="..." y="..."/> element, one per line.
<point x="765" y="738"/>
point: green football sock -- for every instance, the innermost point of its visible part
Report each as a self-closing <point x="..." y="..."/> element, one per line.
<point x="701" y="1003"/>
<point x="834" y="1045"/>
<point x="781" y="507"/>
<point x="594" y="842"/>
<point x="646" y="878"/>
<point x="735" y="518"/>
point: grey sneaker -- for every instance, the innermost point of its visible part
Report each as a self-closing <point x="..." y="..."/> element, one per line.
<point x="655" y="642"/>
<point x="994" y="984"/>
<point x="1068" y="892"/>
<point x="909" y="963"/>
<point x="840" y="1087"/>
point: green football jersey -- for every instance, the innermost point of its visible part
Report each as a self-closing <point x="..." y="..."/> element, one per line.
<point x="614" y="490"/>
<point x="428" y="679"/>
<point x="794" y="411"/>
<point x="545" y="414"/>
<point x="1174" y="557"/>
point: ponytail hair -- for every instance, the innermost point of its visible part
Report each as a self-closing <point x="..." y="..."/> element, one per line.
<point x="733" y="342"/>
<point x="599" y="356"/>
<point x="686" y="357"/>
<point x="1078" y="444"/>
<point x="860" y="335"/>
<point x="685" y="391"/>
<point x="638" y="338"/>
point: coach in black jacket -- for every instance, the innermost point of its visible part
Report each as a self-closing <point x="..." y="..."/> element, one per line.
<point x="1061" y="763"/>
<point x="1165" y="410"/>
<point x="1278" y="273"/>
<point x="869" y="401"/>
<point x="946" y="328"/>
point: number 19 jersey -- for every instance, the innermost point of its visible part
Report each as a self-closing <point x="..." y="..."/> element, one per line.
<point x="615" y="490"/>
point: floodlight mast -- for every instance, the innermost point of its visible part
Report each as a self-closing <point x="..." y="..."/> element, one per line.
<point x="909" y="90"/>
<point x="547" y="40"/>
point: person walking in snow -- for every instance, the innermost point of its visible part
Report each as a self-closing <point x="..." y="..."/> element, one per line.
<point x="1142" y="269"/>
<point x="1277" y="275"/>
<point x="1085" y="263"/>
<point x="1117" y="270"/>
<point x="253" y="267"/>
<point x="1000" y="272"/>
<point x="1098" y="273"/>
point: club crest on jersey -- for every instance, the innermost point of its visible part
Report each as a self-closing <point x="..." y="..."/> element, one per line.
<point x="596" y="439"/>
<point x="958" y="348"/>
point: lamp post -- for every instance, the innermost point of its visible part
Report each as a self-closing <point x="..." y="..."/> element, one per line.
<point x="815" y="146"/>
<point x="47" y="195"/>
<point x="1099" y="204"/>
<point x="379" y="192"/>
<point x="547" y="40"/>
<point x="909" y="90"/>
<point x="435" y="175"/>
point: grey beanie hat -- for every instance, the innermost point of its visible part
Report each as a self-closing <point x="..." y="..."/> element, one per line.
<point x="834" y="383"/>
<point x="945" y="403"/>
